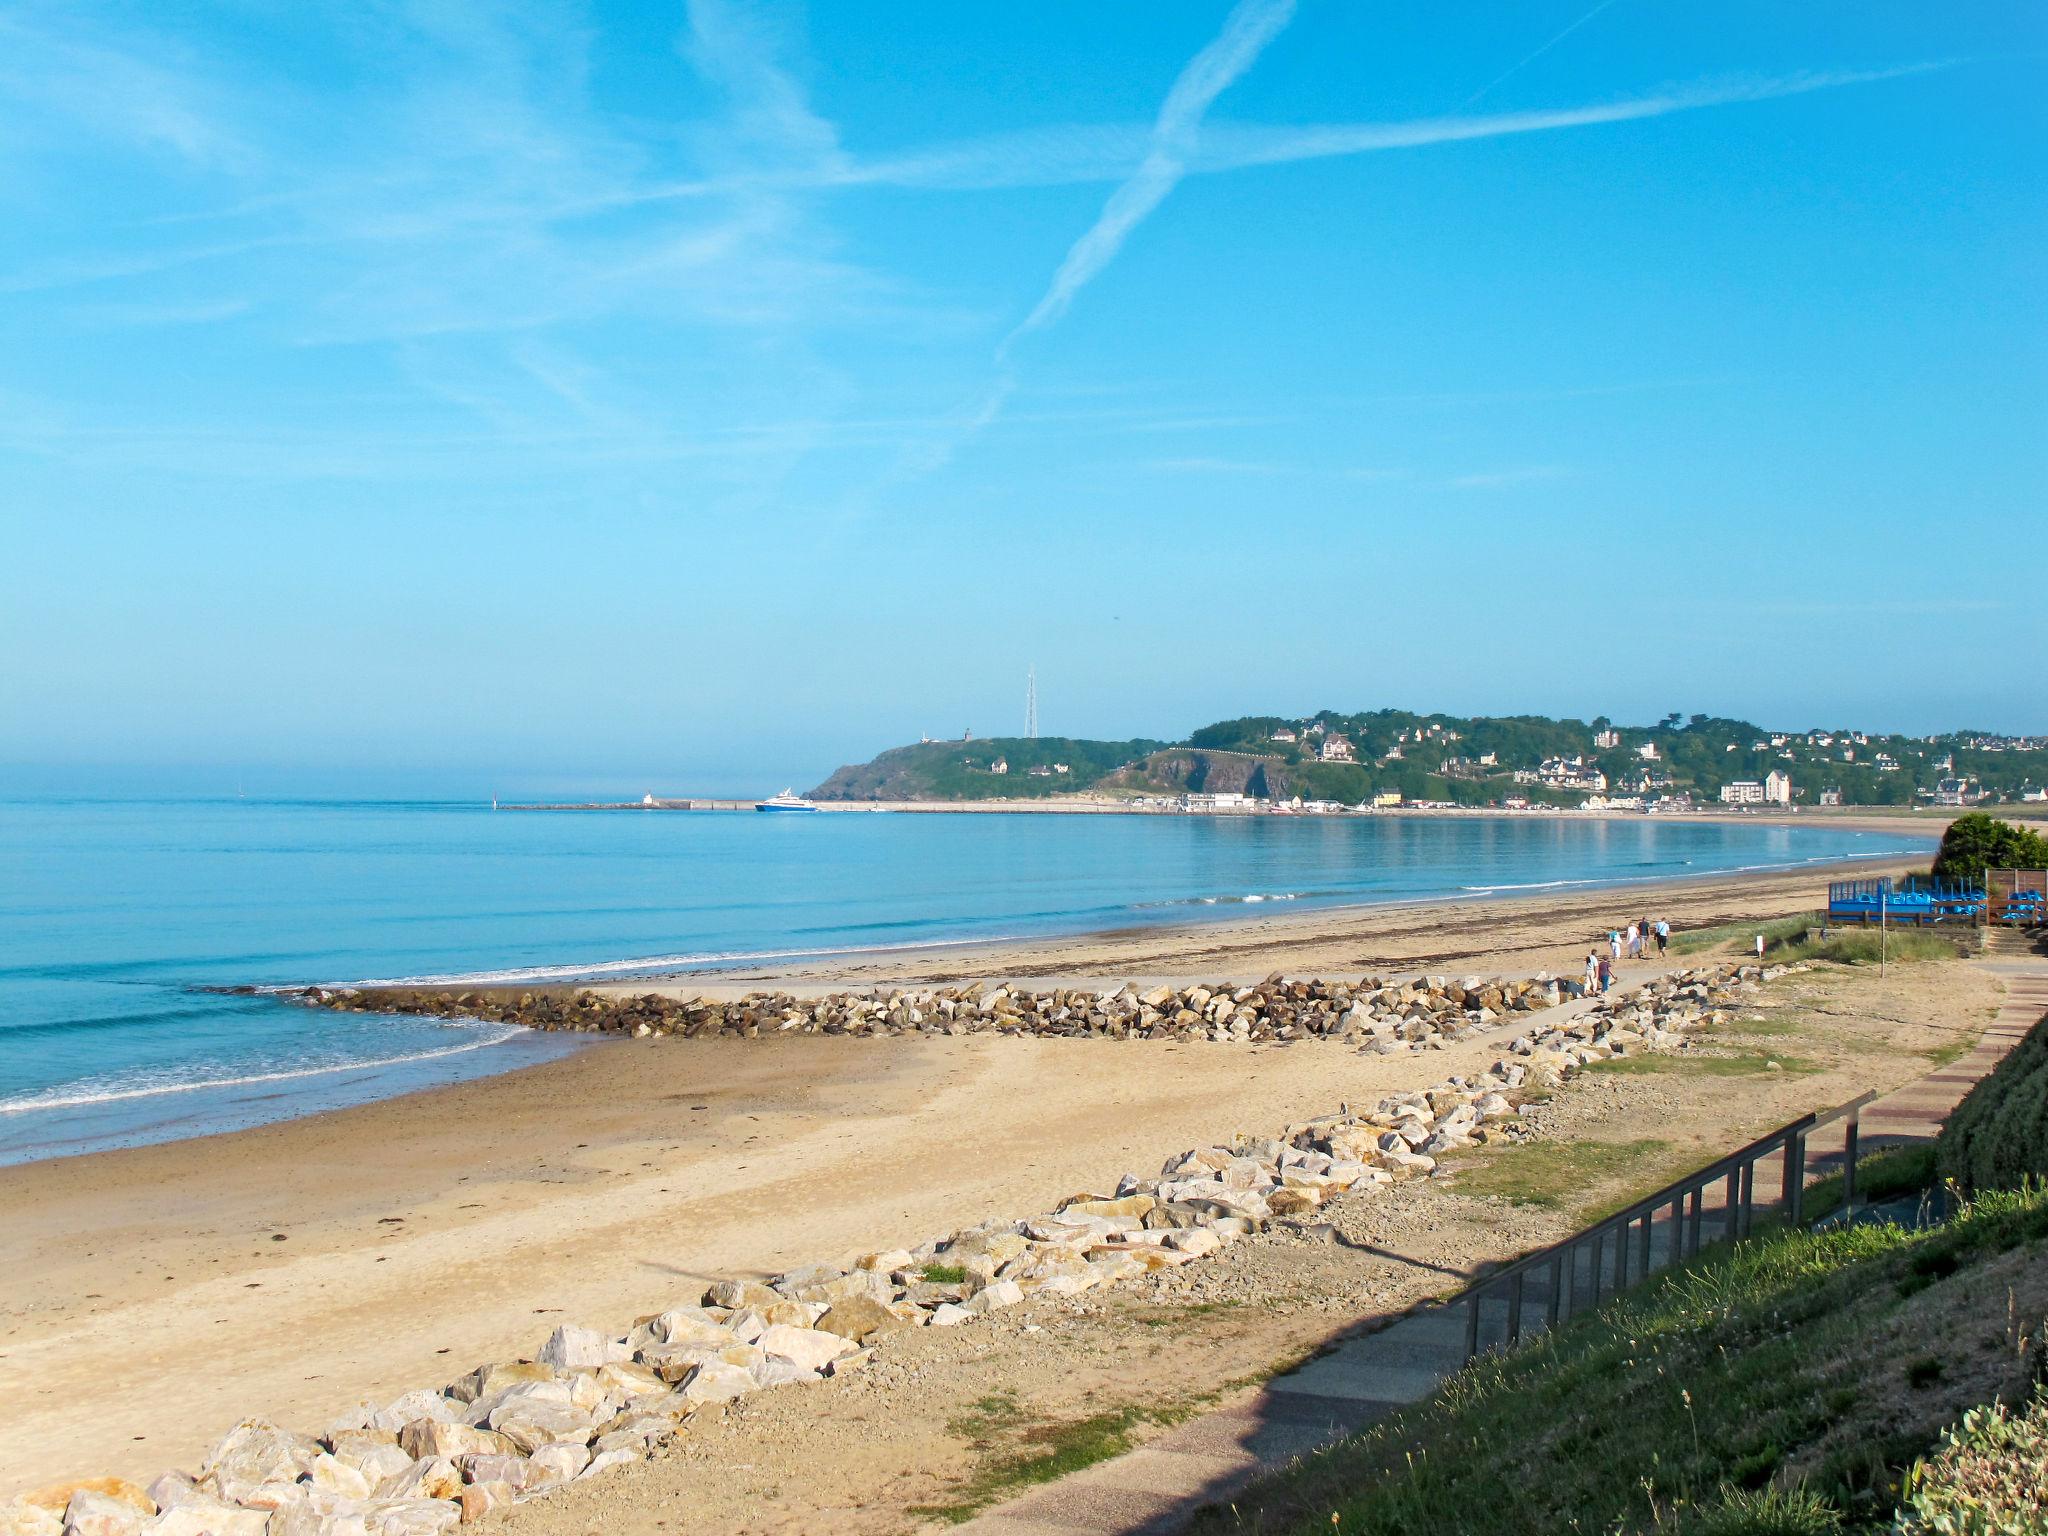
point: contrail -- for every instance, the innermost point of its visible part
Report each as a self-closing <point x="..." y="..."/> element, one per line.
<point x="1250" y="27"/>
<point x="1516" y="69"/>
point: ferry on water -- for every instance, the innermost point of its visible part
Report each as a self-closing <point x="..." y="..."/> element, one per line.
<point x="788" y="800"/>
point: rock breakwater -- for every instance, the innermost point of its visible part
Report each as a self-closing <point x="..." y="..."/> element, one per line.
<point x="1383" y="1014"/>
<point x="591" y="1400"/>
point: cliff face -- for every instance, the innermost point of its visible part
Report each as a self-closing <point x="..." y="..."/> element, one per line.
<point x="898" y="774"/>
<point x="1191" y="770"/>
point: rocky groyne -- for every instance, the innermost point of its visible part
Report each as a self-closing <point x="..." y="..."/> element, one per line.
<point x="1380" y="1014"/>
<point x="589" y="1400"/>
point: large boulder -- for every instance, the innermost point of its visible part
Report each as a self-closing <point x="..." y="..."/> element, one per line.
<point x="573" y="1349"/>
<point x="717" y="1381"/>
<point x="860" y="1318"/>
<point x="811" y="1348"/>
<point x="102" y="1514"/>
<point x="424" y="1438"/>
<point x="255" y="1457"/>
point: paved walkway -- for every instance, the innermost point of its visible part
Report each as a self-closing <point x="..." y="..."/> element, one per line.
<point x="1157" y="1488"/>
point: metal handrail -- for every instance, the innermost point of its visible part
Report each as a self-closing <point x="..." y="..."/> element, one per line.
<point x="1685" y="1200"/>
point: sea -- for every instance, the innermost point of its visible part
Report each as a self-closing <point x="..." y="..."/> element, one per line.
<point x="119" y="919"/>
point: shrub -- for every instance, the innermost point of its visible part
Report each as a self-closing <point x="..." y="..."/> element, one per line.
<point x="1989" y="1477"/>
<point x="1998" y="1136"/>
<point x="1977" y="842"/>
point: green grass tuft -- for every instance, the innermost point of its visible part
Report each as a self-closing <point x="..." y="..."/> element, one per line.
<point x="1028" y="1452"/>
<point x="1553" y="1174"/>
<point x="944" y="1274"/>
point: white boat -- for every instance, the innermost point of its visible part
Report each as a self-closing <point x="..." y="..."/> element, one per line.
<point x="788" y="800"/>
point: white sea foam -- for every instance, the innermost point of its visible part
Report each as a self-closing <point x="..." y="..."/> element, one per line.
<point x="116" y="1095"/>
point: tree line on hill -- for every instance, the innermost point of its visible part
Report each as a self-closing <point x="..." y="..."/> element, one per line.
<point x="1467" y="760"/>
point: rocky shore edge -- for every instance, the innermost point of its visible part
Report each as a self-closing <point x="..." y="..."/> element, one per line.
<point x="589" y="1401"/>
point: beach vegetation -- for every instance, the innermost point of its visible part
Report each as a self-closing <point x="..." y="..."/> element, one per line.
<point x="1880" y="1176"/>
<point x="1776" y="931"/>
<point x="944" y="1274"/>
<point x="1705" y="1061"/>
<point x="1975" y="842"/>
<point x="1867" y="946"/>
<point x="1019" y="1449"/>
<point x="1558" y="1175"/>
<point x="1759" y="1389"/>
<point x="1997" y="1138"/>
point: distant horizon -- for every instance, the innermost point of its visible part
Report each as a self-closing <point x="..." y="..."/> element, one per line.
<point x="459" y="783"/>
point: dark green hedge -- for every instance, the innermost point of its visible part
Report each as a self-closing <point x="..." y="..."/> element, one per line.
<point x="1998" y="1135"/>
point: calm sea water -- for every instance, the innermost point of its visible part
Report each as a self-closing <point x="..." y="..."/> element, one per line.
<point x="114" y="914"/>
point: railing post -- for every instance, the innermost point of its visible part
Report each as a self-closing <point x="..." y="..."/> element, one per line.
<point x="1471" y="1325"/>
<point x="1643" y="1244"/>
<point x="1795" y="1176"/>
<point x="1748" y="1193"/>
<point x="1731" y="1203"/>
<point x="1560" y="1257"/>
<point x="1621" y="1258"/>
<point x="1515" y="1308"/>
<point x="1849" y="1147"/>
<point x="1693" y="1220"/>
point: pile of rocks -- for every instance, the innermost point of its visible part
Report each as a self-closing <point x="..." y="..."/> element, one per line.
<point x="1392" y="1016"/>
<point x="589" y="1401"/>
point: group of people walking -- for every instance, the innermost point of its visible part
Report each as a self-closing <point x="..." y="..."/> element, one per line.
<point x="1632" y="942"/>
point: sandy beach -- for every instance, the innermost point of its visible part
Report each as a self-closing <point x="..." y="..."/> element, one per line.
<point x="289" y="1269"/>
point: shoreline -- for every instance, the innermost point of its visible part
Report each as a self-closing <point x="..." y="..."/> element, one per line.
<point x="1238" y="946"/>
<point x="260" y="1270"/>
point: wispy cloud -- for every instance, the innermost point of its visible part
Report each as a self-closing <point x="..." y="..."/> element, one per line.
<point x="130" y="89"/>
<point x="1246" y="32"/>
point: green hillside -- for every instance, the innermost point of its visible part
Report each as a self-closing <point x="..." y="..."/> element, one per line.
<point x="1460" y="760"/>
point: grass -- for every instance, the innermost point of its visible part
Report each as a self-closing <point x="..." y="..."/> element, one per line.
<point x="1761" y="1389"/>
<point x="1778" y="930"/>
<point x="1880" y="1176"/>
<point x="1028" y="1451"/>
<point x="1951" y="1051"/>
<point x="1705" y="1063"/>
<point x="944" y="1274"/>
<point x="1866" y="946"/>
<point x="1786" y="940"/>
<point x="1554" y="1175"/>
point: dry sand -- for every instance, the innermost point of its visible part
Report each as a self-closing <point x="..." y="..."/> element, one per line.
<point x="149" y="1297"/>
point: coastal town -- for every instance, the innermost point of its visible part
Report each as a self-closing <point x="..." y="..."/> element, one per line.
<point x="1335" y="764"/>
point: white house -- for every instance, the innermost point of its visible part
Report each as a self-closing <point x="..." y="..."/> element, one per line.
<point x="1336" y="749"/>
<point x="1831" y="796"/>
<point x="1742" y="792"/>
<point x="1647" y="751"/>
<point x="1777" y="787"/>
<point x="1285" y="733"/>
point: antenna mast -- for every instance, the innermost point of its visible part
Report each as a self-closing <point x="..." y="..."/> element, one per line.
<point x="1031" y="702"/>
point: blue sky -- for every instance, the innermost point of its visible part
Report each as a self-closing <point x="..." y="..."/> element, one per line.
<point x="705" y="395"/>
